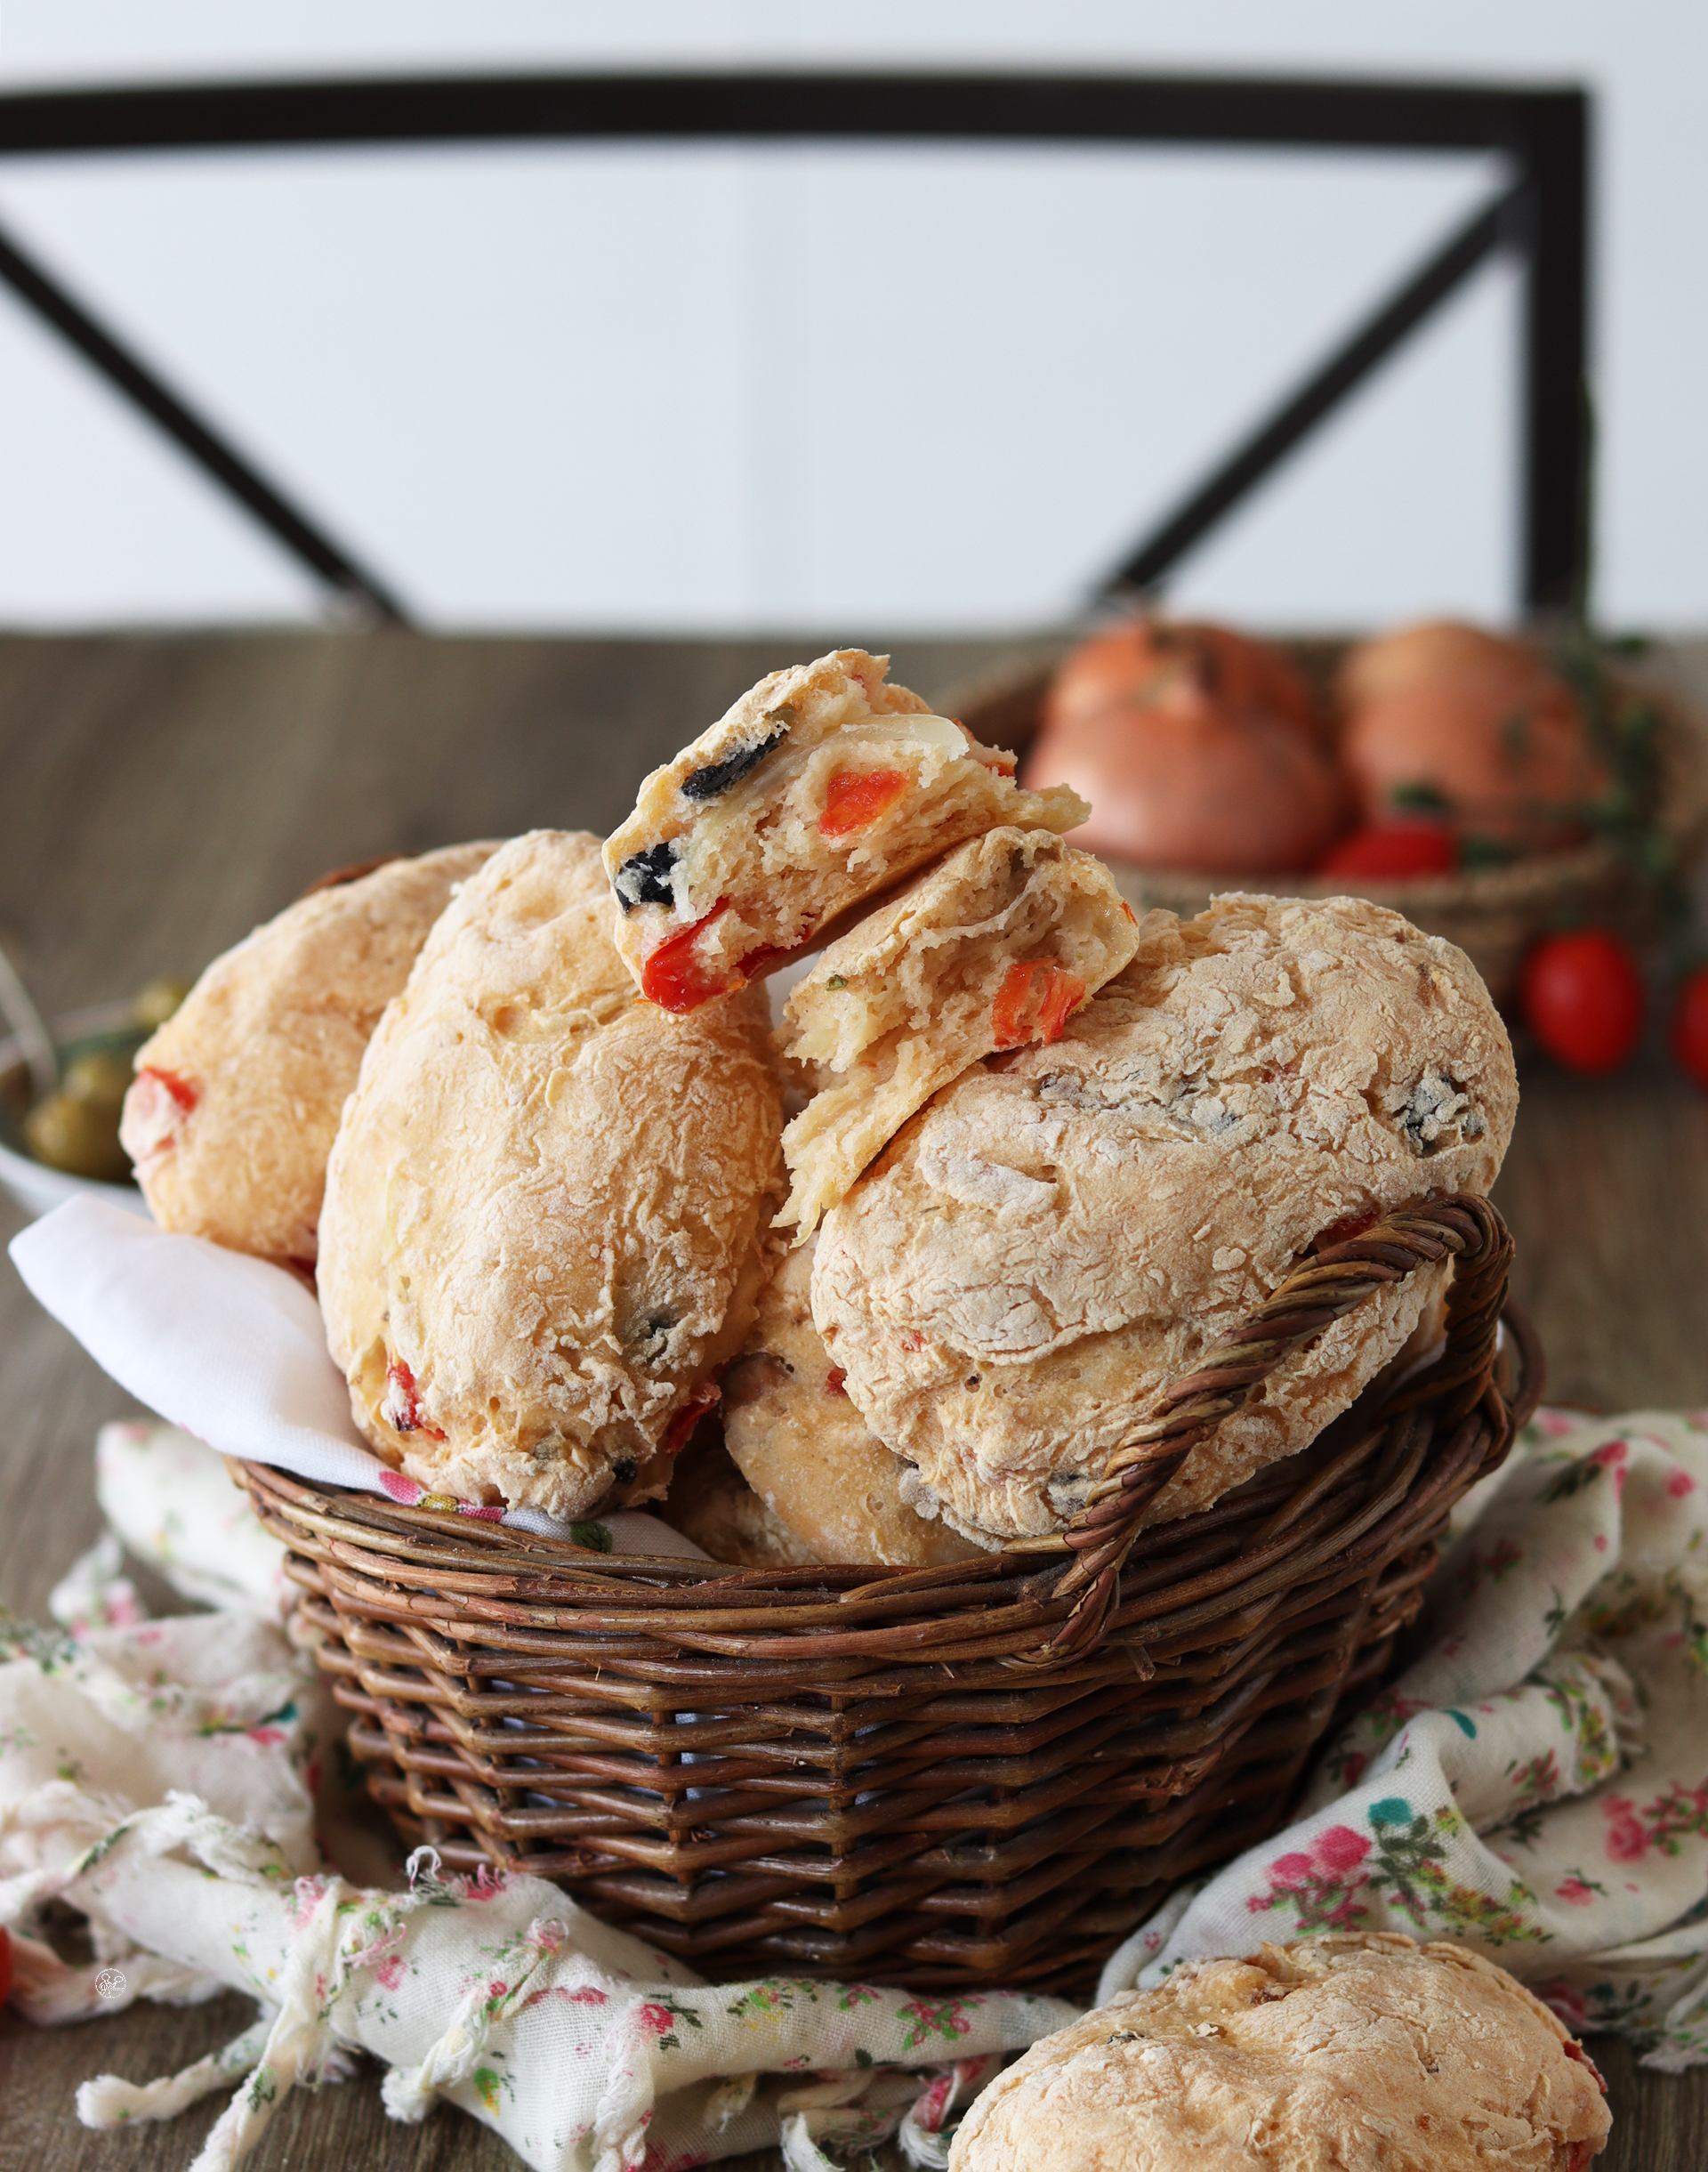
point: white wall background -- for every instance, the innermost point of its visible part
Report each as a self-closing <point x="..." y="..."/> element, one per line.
<point x="634" y="388"/>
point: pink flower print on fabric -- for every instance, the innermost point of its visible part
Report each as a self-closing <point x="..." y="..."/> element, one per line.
<point x="1627" y="1841"/>
<point x="1566" y="2000"/>
<point x="306" y="1898"/>
<point x="1574" y="1892"/>
<point x="949" y="2019"/>
<point x="1341" y="1849"/>
<point x="407" y="1494"/>
<point x="1679" y="1483"/>
<point x="928" y="2113"/>
<point x="665" y="2018"/>
<point x="390" y="1973"/>
<point x="1613" y="1457"/>
<point x="1321" y="1886"/>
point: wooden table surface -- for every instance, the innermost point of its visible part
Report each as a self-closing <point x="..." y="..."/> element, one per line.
<point x="160" y="795"/>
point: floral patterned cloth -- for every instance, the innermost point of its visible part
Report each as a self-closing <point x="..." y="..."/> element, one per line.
<point x="175" y="1508"/>
<point x="1535" y="1785"/>
<point x="96" y="1724"/>
<point x="587" y="2050"/>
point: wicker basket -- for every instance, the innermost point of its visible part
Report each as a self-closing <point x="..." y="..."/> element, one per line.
<point x="983" y="1774"/>
<point x="1494" y="914"/>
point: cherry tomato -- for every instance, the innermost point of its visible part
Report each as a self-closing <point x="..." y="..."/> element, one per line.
<point x="1690" y="1026"/>
<point x="1583" y="998"/>
<point x="5" y="1967"/>
<point x="1394" y="850"/>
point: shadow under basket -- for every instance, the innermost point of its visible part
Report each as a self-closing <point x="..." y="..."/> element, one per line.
<point x="985" y="1773"/>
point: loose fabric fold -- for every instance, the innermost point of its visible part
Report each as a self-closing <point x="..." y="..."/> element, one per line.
<point x="1535" y="1785"/>
<point x="232" y="1350"/>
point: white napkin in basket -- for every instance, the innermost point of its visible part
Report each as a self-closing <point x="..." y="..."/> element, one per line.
<point x="233" y="1350"/>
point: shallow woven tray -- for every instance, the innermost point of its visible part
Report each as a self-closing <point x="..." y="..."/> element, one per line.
<point x="1494" y="914"/>
<point x="976" y="1775"/>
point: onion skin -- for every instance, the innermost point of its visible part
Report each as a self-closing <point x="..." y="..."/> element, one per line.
<point x="1198" y="750"/>
<point x="1434" y="648"/>
<point x="1156" y="663"/>
<point x="1211" y="791"/>
<point x="1472" y="729"/>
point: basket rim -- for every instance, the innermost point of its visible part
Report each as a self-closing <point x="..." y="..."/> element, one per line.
<point x="936" y="1812"/>
<point x="391" y="1560"/>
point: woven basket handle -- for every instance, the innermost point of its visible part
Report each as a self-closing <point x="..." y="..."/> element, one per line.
<point x="1317" y="1292"/>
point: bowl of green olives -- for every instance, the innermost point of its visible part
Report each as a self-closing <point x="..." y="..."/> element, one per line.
<point x="64" y="1142"/>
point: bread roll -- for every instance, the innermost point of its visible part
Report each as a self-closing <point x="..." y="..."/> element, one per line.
<point x="805" y="1449"/>
<point x="1065" y="1230"/>
<point x="540" y="1240"/>
<point x="236" y="1098"/>
<point x="1350" y="2050"/>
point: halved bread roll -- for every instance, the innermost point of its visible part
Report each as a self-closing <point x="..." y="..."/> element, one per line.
<point x="818" y="789"/>
<point x="996" y="945"/>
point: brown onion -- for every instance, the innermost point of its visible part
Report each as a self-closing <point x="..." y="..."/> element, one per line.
<point x="1193" y="786"/>
<point x="1154" y="663"/>
<point x="1472" y="729"/>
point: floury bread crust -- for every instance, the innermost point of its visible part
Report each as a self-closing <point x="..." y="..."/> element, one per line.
<point x="540" y="1237"/>
<point x="806" y="1451"/>
<point x="237" y="1096"/>
<point x="820" y="787"/>
<point x="1065" y="1230"/>
<point x="1344" y="2053"/>
<point x="995" y="946"/>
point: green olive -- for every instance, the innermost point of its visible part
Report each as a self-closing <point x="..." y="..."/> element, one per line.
<point x="77" y="1135"/>
<point x="155" y="1003"/>
<point x="97" y="1077"/>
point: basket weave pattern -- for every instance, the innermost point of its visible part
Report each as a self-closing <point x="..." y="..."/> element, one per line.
<point x="981" y="1774"/>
